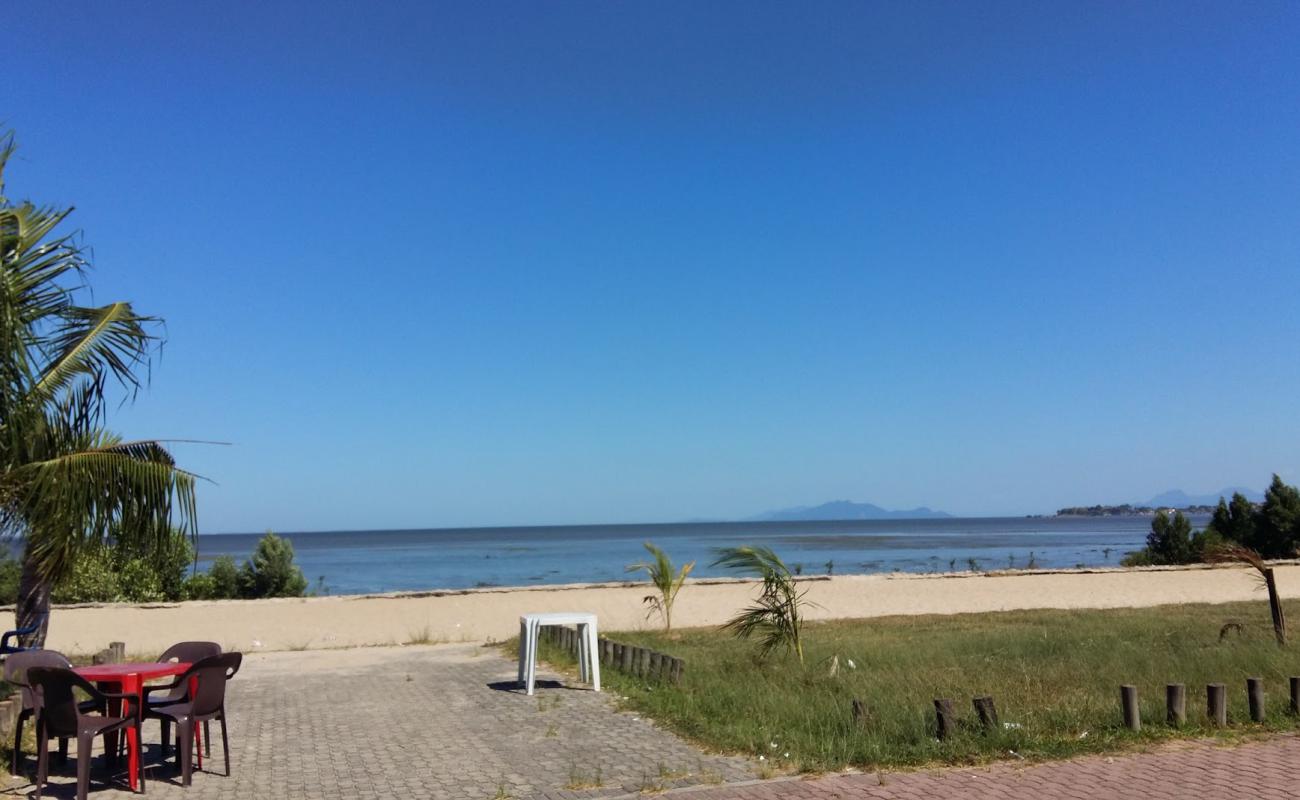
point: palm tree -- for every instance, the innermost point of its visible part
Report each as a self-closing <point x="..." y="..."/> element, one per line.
<point x="777" y="614"/>
<point x="667" y="582"/>
<point x="1237" y="554"/>
<point x="65" y="482"/>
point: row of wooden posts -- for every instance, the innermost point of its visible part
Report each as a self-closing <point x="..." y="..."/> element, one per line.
<point x="1216" y="706"/>
<point x="1216" y="702"/>
<point x="630" y="659"/>
<point x="945" y="714"/>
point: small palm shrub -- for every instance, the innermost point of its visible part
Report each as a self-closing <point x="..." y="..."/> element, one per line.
<point x="666" y="581"/>
<point x="776" y="618"/>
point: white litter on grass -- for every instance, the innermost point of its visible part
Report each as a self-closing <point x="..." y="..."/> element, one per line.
<point x="762" y="758"/>
<point x="1011" y="726"/>
<point x="257" y="643"/>
<point x="1083" y="735"/>
<point x="1017" y="755"/>
<point x="851" y="664"/>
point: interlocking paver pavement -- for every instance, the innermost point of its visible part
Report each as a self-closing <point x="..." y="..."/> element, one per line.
<point x="420" y="722"/>
<point x="435" y="722"/>
<point x="1264" y="770"/>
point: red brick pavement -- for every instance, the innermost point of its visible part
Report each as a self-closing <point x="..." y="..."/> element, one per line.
<point x="1261" y="770"/>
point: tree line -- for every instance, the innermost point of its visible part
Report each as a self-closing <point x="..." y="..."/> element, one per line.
<point x="1270" y="528"/>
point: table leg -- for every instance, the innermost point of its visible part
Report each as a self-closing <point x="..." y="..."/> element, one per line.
<point x="593" y="653"/>
<point x="135" y="686"/>
<point x="581" y="631"/>
<point x="523" y="650"/>
<point x="534" y="630"/>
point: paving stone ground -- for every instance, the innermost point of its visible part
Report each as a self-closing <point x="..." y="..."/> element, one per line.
<point x="444" y="722"/>
<point x="441" y="721"/>
<point x="1264" y="770"/>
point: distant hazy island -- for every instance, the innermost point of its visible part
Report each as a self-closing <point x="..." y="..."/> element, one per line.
<point x="847" y="510"/>
<point x="1175" y="499"/>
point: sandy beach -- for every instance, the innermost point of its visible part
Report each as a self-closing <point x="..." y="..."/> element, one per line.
<point x="492" y="614"/>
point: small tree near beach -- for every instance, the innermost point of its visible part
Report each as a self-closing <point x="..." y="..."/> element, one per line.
<point x="777" y="616"/>
<point x="271" y="571"/>
<point x="666" y="581"/>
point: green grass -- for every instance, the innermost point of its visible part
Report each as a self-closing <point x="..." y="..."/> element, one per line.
<point x="1055" y="675"/>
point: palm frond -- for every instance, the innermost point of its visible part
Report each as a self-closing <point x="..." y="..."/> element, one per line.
<point x="90" y="341"/>
<point x="74" y="498"/>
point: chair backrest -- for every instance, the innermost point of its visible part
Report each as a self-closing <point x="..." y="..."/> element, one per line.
<point x="190" y="652"/>
<point x="212" y="673"/>
<point x="57" y="704"/>
<point x="17" y="664"/>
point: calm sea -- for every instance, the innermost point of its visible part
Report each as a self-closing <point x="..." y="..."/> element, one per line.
<point x="355" y="562"/>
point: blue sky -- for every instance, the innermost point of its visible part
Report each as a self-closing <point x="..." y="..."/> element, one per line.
<point x="428" y="264"/>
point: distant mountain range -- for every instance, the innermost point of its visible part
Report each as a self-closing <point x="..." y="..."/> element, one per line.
<point x="1177" y="498"/>
<point x="846" y="509"/>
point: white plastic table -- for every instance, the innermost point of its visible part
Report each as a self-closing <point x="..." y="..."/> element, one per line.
<point x="588" y="661"/>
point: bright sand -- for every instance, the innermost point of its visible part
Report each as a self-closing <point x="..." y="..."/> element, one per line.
<point x="483" y="614"/>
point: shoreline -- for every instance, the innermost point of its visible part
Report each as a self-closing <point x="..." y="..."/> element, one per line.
<point x="492" y="613"/>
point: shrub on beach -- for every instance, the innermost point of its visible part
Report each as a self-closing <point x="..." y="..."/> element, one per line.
<point x="269" y="573"/>
<point x="121" y="574"/>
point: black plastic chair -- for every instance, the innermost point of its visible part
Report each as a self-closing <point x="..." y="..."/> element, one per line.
<point x="18" y="633"/>
<point x="15" y="674"/>
<point x="58" y="714"/>
<point x="208" y="702"/>
<point x="186" y="653"/>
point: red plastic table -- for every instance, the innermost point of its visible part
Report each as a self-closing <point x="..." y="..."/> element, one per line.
<point x="130" y="679"/>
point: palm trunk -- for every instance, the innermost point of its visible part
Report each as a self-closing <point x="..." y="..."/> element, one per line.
<point x="1275" y="606"/>
<point x="33" y="604"/>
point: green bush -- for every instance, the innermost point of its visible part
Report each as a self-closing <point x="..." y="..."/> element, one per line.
<point x="139" y="581"/>
<point x="200" y="586"/>
<point x="271" y="571"/>
<point x="93" y="579"/>
<point x="225" y="578"/>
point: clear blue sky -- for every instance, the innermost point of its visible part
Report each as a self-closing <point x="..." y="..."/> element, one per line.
<point x="486" y="263"/>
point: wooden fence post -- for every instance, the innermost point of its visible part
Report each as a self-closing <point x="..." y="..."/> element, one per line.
<point x="626" y="663"/>
<point x="1128" y="696"/>
<point x="1255" y="697"/>
<point x="861" y="714"/>
<point x="944" y="716"/>
<point x="1295" y="694"/>
<point x="678" y="668"/>
<point x="653" y="672"/>
<point x="1176" y="704"/>
<point x="1216" y="704"/>
<point x="643" y="663"/>
<point x="986" y="711"/>
<point x="119" y="652"/>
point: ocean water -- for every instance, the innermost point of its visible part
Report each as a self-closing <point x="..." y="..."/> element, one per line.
<point x="359" y="562"/>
